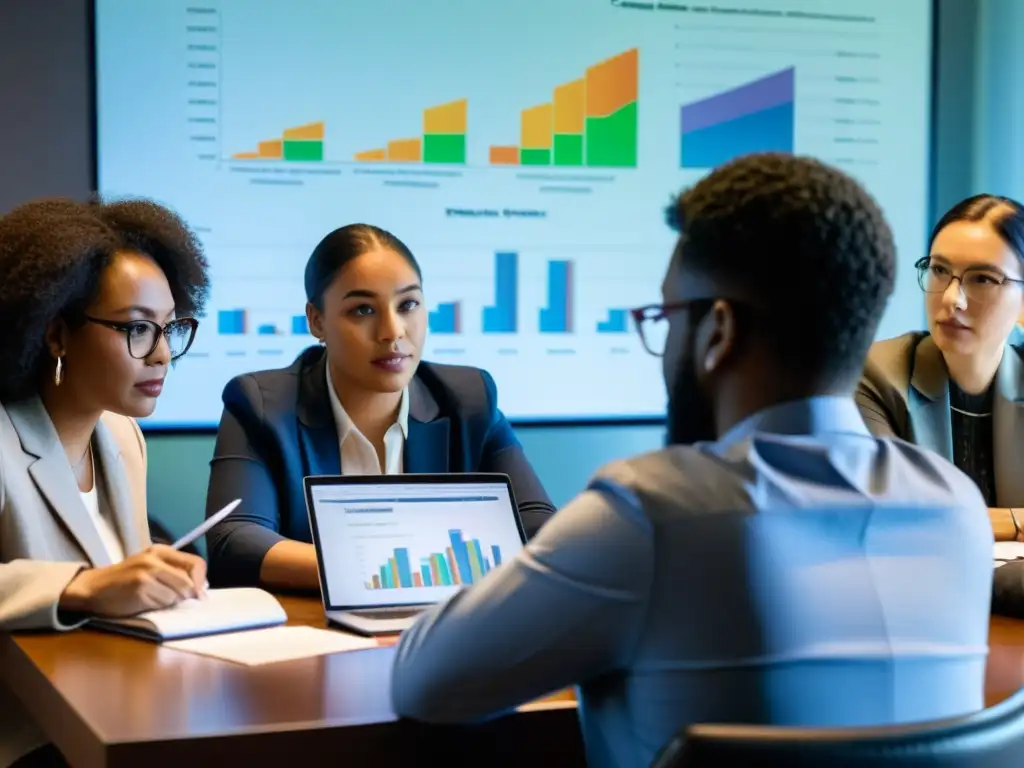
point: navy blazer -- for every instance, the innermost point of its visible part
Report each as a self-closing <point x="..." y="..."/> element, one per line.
<point x="277" y="428"/>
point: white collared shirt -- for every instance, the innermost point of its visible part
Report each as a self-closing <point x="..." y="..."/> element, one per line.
<point x="358" y="456"/>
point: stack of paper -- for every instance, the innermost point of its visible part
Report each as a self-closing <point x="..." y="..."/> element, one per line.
<point x="266" y="646"/>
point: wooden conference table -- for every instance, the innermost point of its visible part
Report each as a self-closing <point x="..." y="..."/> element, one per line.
<point x="107" y="700"/>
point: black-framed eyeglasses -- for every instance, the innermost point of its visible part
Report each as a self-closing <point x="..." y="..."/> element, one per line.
<point x="651" y="322"/>
<point x="143" y="336"/>
<point x="979" y="284"/>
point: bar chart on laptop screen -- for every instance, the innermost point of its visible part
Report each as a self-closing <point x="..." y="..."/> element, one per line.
<point x="524" y="151"/>
<point x="461" y="563"/>
<point x="414" y="543"/>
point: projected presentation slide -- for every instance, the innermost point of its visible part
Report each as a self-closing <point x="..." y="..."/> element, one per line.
<point x="406" y="544"/>
<point x="524" y="151"/>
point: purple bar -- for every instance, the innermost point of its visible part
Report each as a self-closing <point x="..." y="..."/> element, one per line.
<point x="770" y="91"/>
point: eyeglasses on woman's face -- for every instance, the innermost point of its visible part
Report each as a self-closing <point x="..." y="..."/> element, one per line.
<point x="143" y="336"/>
<point x="981" y="285"/>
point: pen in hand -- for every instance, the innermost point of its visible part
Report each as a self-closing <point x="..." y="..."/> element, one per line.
<point x="202" y="528"/>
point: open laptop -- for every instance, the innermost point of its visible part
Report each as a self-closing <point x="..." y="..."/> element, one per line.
<point x="390" y="546"/>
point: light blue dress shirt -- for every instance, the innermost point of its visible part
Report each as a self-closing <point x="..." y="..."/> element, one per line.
<point x="796" y="572"/>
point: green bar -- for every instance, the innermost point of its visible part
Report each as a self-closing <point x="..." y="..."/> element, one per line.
<point x="303" y="151"/>
<point x="447" y="148"/>
<point x="611" y="140"/>
<point x="475" y="566"/>
<point x="535" y="157"/>
<point x="442" y="571"/>
<point x="568" y="149"/>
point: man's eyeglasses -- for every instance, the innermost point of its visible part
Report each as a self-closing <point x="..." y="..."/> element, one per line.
<point x="652" y="324"/>
<point x="143" y="336"/>
<point x="979" y="284"/>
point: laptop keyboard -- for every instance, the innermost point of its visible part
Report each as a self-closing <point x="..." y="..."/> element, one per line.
<point x="388" y="613"/>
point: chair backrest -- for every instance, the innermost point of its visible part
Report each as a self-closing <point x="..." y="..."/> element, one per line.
<point x="991" y="738"/>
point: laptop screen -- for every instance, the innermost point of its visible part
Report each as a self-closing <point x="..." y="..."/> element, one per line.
<point x="407" y="543"/>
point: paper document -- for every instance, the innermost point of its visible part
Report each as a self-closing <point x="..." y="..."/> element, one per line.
<point x="222" y="610"/>
<point x="267" y="646"/>
<point x="1005" y="551"/>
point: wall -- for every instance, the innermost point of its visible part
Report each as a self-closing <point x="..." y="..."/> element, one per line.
<point x="46" y="134"/>
<point x="44" y="81"/>
<point x="998" y="150"/>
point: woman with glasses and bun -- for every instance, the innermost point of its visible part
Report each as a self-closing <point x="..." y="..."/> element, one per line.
<point x="958" y="387"/>
<point x="96" y="301"/>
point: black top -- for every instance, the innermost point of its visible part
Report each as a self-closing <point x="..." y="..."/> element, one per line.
<point x="971" y="419"/>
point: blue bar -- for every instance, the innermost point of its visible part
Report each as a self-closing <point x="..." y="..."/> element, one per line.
<point x="496" y="551"/>
<point x="487" y="565"/>
<point x="231" y="322"/>
<point x="266" y="330"/>
<point x="385" y="576"/>
<point x="616" y="322"/>
<point x="404" y="571"/>
<point x="461" y="556"/>
<point x="299" y="326"/>
<point x="502" y="316"/>
<point x="427" y="578"/>
<point x="445" y="319"/>
<point x="556" y="317"/>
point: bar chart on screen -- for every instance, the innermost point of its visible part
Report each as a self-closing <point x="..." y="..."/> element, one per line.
<point x="591" y="121"/>
<point x="526" y="159"/>
<point x="463" y="562"/>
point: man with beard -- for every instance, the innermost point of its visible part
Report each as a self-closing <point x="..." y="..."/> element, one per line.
<point x="774" y="563"/>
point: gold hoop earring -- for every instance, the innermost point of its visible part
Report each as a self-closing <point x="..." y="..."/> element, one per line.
<point x="58" y="374"/>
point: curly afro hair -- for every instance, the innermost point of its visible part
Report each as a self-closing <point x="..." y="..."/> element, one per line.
<point x="802" y="241"/>
<point x="52" y="255"/>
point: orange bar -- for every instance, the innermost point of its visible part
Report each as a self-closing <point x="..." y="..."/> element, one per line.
<point x="504" y="155"/>
<point x="394" y="572"/>
<point x="446" y="118"/>
<point x="372" y="155"/>
<point x="535" y="128"/>
<point x="417" y="580"/>
<point x="451" y="566"/>
<point x="570" y="104"/>
<point x="313" y="131"/>
<point x="435" y="572"/>
<point x="376" y="581"/>
<point x="271" y="149"/>
<point x="612" y="84"/>
<point x="246" y="156"/>
<point x="405" y="150"/>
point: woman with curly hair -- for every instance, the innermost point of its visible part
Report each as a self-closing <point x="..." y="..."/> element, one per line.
<point x="96" y="301"/>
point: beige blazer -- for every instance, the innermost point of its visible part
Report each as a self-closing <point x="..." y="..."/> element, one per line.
<point x="904" y="393"/>
<point x="46" y="533"/>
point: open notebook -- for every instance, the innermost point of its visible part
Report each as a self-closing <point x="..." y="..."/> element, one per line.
<point x="222" y="610"/>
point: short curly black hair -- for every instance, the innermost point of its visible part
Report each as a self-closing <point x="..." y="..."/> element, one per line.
<point x="52" y="255"/>
<point x="801" y="240"/>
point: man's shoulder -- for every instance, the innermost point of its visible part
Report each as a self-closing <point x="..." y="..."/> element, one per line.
<point x="926" y="476"/>
<point x="680" y="477"/>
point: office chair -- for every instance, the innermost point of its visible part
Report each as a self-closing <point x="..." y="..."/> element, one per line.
<point x="991" y="738"/>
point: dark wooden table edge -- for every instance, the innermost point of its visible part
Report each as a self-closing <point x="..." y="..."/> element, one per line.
<point x="62" y="723"/>
<point x="535" y="735"/>
<point x="385" y="743"/>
